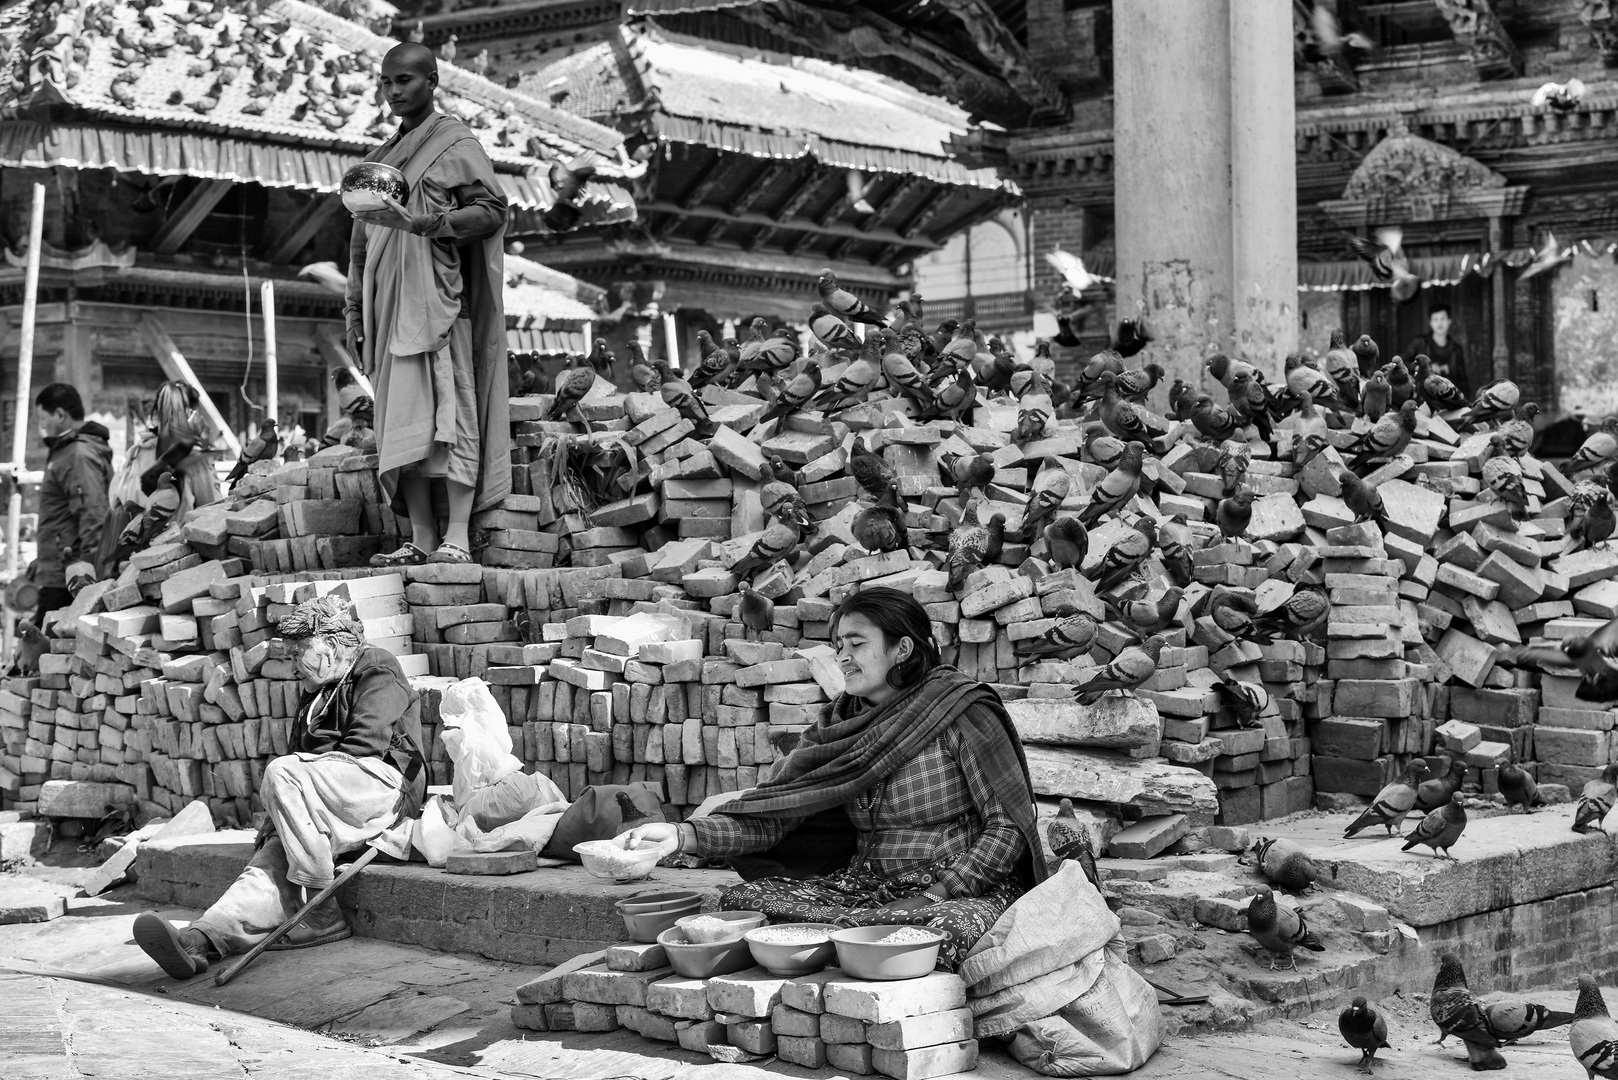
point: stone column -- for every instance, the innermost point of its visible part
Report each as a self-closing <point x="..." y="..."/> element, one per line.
<point x="1204" y="178"/>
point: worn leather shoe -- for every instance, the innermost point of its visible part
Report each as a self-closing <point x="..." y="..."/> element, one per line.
<point x="162" y="941"/>
<point x="321" y="926"/>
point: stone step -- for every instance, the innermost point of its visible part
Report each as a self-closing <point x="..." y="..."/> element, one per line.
<point x="542" y="917"/>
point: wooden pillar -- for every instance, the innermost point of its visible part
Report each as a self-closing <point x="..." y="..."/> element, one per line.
<point x="1500" y="296"/>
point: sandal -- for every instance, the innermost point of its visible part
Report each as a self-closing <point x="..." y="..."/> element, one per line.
<point x="408" y="554"/>
<point x="306" y="936"/>
<point x="450" y="553"/>
<point x="160" y="939"/>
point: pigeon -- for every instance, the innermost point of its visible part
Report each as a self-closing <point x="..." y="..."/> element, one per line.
<point x="1387" y="439"/>
<point x="1599" y="449"/>
<point x="1591" y="654"/>
<point x="1071" y="269"/>
<point x="1366" y="354"/>
<point x="755" y="611"/>
<point x="1401" y="386"/>
<point x="1125" y="556"/>
<point x="968" y="544"/>
<point x="572" y="383"/>
<point x="1299" y="616"/>
<point x="1181" y="399"/>
<point x="1493" y="403"/>
<point x="1518" y="787"/>
<point x="844" y="302"/>
<point x="1247" y="700"/>
<point x="903" y="380"/>
<point x="782" y="501"/>
<point x="1250" y="404"/>
<point x="1392" y="803"/>
<point x="1562" y="97"/>
<point x="1593" y="1038"/>
<point x="31" y="645"/>
<point x="1234" y="515"/>
<point x="1387" y="260"/>
<point x="1549" y="255"/>
<point x="677" y="393"/>
<point x="1596" y="801"/>
<point x="1050" y="490"/>
<point x="1285" y="863"/>
<point x="1594" y="526"/>
<point x="1175" y="549"/>
<point x="779" y="541"/>
<point x="718" y="361"/>
<point x="1435" y="391"/>
<point x="1232" y="609"/>
<point x="795" y="394"/>
<point x="1375" y="397"/>
<point x="1226" y="370"/>
<point x="1279" y="928"/>
<point x="1362" y="498"/>
<point x="1069" y="839"/>
<point x="1133" y="336"/>
<point x="968" y="475"/>
<point x="1440" y="829"/>
<point x="850" y="389"/>
<point x="1139" y="382"/>
<point x="1504" y="477"/>
<point x="1305" y="381"/>
<point x="1343" y="368"/>
<point x="1431" y="794"/>
<point x="1232" y="465"/>
<point x="263" y="447"/>
<point x="1483" y="1027"/>
<point x="869" y="470"/>
<point x="1131" y="668"/>
<point x="1212" y="421"/>
<point x="832" y="331"/>
<point x="881" y="527"/>
<point x="1071" y="637"/>
<point x="145" y="527"/>
<point x="1124" y="418"/>
<point x="1117" y="487"/>
<point x="953" y="400"/>
<point x="1143" y="615"/>
<point x="1516" y="435"/>
<point x="1069" y="542"/>
<point x="1365" y="1030"/>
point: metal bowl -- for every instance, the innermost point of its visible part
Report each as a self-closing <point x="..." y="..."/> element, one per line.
<point x="366" y="184"/>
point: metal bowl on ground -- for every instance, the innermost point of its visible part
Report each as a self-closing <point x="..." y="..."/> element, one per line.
<point x="714" y="926"/>
<point x="792" y="949"/>
<point x="695" y="960"/>
<point x="888" y="953"/>
<point x="365" y="185"/>
<point x="659" y="900"/>
<point x="644" y="922"/>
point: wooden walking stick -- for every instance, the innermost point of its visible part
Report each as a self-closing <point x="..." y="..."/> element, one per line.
<point x="229" y="973"/>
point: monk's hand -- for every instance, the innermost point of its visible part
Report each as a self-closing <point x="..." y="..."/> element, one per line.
<point x="393" y="216"/>
<point x="355" y="339"/>
<point x="654" y="834"/>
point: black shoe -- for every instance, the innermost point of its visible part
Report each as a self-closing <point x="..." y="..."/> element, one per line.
<point x="161" y="940"/>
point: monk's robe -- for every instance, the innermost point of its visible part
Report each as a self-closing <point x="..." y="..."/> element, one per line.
<point x="432" y="312"/>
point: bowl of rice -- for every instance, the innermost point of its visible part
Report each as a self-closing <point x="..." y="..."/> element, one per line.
<point x="697" y="960"/>
<point x="715" y="926"/>
<point x="610" y="860"/>
<point x="650" y="914"/>
<point x="887" y="952"/>
<point x="792" y="949"/>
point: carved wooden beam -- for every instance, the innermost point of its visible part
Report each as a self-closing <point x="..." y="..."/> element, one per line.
<point x="891" y="201"/>
<point x="998" y="46"/>
<point x="189" y="214"/>
<point x="801" y="194"/>
<point x="1476" y="26"/>
<point x="924" y="215"/>
<point x="710" y="179"/>
<point x="1602" y="20"/>
<point x="310" y="220"/>
<point x="761" y="183"/>
<point x="715" y="227"/>
<point x="800" y="225"/>
<point x="836" y="210"/>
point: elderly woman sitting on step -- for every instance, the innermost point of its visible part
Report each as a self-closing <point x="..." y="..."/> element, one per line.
<point x="355" y="779"/>
<point x="925" y="765"/>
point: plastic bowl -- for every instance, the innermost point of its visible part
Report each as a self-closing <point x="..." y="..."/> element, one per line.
<point x="663" y="900"/>
<point x="644" y="926"/>
<point x="734" y="924"/>
<point x="609" y="860"/>
<point x="795" y="958"/>
<point x="698" y="961"/>
<point x="861" y="953"/>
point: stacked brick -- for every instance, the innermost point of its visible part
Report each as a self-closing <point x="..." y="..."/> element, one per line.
<point x="910" y="1030"/>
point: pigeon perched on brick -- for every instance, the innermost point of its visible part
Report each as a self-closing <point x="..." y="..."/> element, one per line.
<point x="832" y="331"/>
<point x="1392" y="803"/>
<point x="1363" y="1029"/>
<point x="1362" y="498"/>
<point x="1493" y="403"/>
<point x="968" y="543"/>
<point x="869" y="470"/>
<point x="851" y="387"/>
<point x="718" y="360"/>
<point x="1387" y="439"/>
<point x="779" y="541"/>
<point x="755" y="611"/>
<point x="1071" y="637"/>
<point x="1375" y="397"/>
<point x="1212" y="420"/>
<point x="1440" y="829"/>
<point x="845" y="303"/>
<point x="1246" y="699"/>
<point x="1142" y="613"/>
<point x="1050" y="490"/>
<point x="1117" y="487"/>
<point x="795" y="394"/>
<point x="1279" y="928"/>
<point x="31" y="645"/>
<point x="1436" y="792"/>
<point x="1593" y="1038"/>
<point x="1129" y="670"/>
<point x="1125" y="556"/>
<point x="1483" y="1027"/>
<point x="1234" y="515"/>
<point x="1285" y="863"/>
<point x="881" y="527"/>
<point x="1518" y="787"/>
<point x="1599" y="449"/>
<point x="1069" y="839"/>
<point x="1298" y="617"/>
<point x="968" y="474"/>
<point x="1596" y="801"/>
<point x="1069" y="542"/>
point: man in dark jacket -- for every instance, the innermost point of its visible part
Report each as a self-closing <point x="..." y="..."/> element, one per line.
<point x="355" y="779"/>
<point x="1440" y="345"/>
<point x="72" y="497"/>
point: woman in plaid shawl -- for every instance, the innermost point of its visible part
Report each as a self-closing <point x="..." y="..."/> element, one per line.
<point x="924" y="764"/>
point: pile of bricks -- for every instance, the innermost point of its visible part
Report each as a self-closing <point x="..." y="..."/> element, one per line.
<point x="911" y="1029"/>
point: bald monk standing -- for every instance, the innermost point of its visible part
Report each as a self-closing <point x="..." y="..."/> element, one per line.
<point x="424" y="312"/>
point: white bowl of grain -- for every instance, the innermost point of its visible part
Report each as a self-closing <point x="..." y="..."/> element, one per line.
<point x="715" y="926"/>
<point x="792" y="949"/>
<point x="610" y="860"/>
<point x="888" y="952"/>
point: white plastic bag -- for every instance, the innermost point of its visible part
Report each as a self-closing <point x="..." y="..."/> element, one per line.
<point x="533" y="831"/>
<point x="433" y="836"/>
<point x="476" y="737"/>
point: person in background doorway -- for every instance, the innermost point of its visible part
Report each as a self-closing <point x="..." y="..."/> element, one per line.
<point x="1442" y="348"/>
<point x="72" y="497"/>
